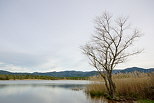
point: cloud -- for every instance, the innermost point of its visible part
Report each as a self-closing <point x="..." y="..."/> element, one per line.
<point x="13" y="68"/>
<point x="46" y="36"/>
<point x="22" y="59"/>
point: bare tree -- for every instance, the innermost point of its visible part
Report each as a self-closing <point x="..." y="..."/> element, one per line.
<point x="109" y="46"/>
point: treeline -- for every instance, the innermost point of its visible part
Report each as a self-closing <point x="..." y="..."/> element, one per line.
<point x="34" y="77"/>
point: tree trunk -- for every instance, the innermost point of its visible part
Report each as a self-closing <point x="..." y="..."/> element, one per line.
<point x="106" y="84"/>
<point x="112" y="87"/>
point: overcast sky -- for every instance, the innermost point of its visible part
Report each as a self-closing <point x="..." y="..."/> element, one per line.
<point x="46" y="35"/>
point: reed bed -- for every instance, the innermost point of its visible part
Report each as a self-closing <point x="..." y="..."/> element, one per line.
<point x="129" y="86"/>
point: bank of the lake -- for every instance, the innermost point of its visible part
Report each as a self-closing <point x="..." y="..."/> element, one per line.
<point x="131" y="86"/>
<point x="37" y="77"/>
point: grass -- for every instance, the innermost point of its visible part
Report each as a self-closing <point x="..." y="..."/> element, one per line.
<point x="37" y="77"/>
<point x="145" y="101"/>
<point x="132" y="86"/>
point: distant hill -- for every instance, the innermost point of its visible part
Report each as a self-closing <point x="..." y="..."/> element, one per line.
<point x="4" y="72"/>
<point x="68" y="74"/>
<point x="133" y="69"/>
<point x="79" y="73"/>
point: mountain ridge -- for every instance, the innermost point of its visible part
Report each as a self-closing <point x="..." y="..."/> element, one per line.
<point x="74" y="73"/>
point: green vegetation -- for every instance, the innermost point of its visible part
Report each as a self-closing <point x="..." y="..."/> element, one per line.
<point x="131" y="86"/>
<point x="145" y="101"/>
<point x="21" y="77"/>
<point x="24" y="77"/>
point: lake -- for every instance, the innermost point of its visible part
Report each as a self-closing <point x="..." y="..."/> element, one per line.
<point x="45" y="91"/>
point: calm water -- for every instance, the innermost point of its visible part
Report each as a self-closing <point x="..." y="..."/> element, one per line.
<point x="45" y="91"/>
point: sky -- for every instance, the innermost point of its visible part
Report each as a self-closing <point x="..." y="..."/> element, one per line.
<point x="46" y="35"/>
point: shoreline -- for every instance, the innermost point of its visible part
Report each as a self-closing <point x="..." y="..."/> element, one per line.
<point x="132" y="86"/>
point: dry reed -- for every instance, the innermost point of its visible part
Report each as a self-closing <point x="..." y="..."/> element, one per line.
<point x="129" y="86"/>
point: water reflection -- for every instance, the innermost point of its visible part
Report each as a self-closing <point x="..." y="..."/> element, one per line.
<point x="45" y="92"/>
<point x="40" y="94"/>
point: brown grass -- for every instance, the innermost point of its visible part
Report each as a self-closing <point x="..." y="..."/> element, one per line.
<point x="129" y="86"/>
